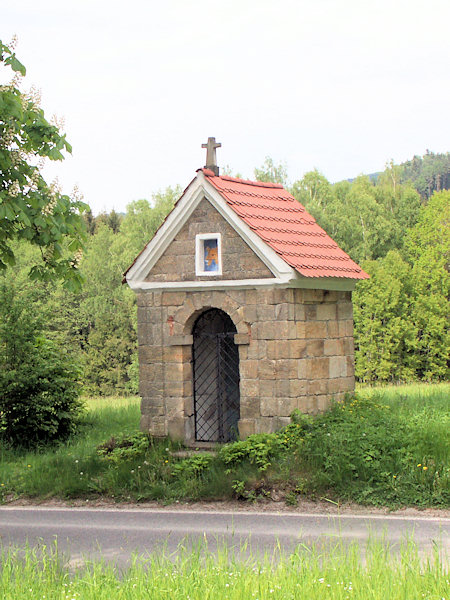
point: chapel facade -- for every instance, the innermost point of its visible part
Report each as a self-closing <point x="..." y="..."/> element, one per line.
<point x="244" y="312"/>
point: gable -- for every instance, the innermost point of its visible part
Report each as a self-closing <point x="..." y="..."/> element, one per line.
<point x="177" y="262"/>
<point x="270" y="240"/>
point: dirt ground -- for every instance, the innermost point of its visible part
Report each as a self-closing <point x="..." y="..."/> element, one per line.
<point x="304" y="506"/>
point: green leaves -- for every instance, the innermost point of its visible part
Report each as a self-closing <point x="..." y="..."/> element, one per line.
<point x="401" y="313"/>
<point x="9" y="58"/>
<point x="39" y="386"/>
<point x="31" y="209"/>
<point x="269" y="171"/>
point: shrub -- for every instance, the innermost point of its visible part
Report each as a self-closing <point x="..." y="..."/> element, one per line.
<point x="126" y="449"/>
<point x="193" y="466"/>
<point x="39" y="390"/>
<point x="360" y="450"/>
<point x="258" y="449"/>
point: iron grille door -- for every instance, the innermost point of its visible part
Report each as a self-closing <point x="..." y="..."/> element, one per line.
<point x="216" y="379"/>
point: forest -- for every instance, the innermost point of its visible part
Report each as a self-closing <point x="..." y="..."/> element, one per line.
<point x="395" y="224"/>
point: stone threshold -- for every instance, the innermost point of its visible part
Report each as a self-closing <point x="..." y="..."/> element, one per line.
<point x="189" y="453"/>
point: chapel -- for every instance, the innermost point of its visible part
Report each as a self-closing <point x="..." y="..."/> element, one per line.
<point x="244" y="312"/>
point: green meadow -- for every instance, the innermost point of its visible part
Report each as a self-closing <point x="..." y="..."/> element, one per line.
<point x="384" y="446"/>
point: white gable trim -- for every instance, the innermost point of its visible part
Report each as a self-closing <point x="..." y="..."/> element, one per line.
<point x="165" y="234"/>
<point x="201" y="188"/>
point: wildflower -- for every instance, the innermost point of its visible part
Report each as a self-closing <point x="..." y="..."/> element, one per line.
<point x="166" y="461"/>
<point x="419" y="465"/>
<point x="395" y="476"/>
<point x="425" y="468"/>
<point x="132" y="470"/>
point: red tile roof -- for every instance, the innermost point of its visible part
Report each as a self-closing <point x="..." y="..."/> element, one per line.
<point x="283" y="223"/>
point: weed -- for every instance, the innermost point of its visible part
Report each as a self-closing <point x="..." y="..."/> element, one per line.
<point x="193" y="466"/>
<point x="128" y="448"/>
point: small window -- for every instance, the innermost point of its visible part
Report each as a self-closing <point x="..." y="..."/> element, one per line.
<point x="208" y="254"/>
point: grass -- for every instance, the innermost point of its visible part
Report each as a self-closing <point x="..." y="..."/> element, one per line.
<point x="69" y="469"/>
<point x="199" y="575"/>
<point x="387" y="446"/>
<point x="426" y="409"/>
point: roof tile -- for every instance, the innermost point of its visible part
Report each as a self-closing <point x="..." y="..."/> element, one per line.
<point x="285" y="225"/>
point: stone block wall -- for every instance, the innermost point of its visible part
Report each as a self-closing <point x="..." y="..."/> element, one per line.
<point x="178" y="260"/>
<point x="295" y="350"/>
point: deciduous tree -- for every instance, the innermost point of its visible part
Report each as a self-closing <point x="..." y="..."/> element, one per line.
<point x="31" y="209"/>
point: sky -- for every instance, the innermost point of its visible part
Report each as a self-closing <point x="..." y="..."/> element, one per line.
<point x="343" y="86"/>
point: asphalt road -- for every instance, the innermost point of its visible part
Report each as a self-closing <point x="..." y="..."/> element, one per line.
<point x="114" y="535"/>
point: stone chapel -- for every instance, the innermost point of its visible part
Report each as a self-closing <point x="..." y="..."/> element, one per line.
<point x="244" y="312"/>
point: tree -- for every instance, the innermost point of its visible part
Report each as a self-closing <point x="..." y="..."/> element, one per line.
<point x="269" y="171"/>
<point x="39" y="388"/>
<point x="401" y="313"/>
<point x="143" y="218"/>
<point x="106" y="316"/>
<point x="313" y="189"/>
<point x="428" y="174"/>
<point x="30" y="209"/>
<point x="316" y="194"/>
<point x="427" y="248"/>
<point x="383" y="331"/>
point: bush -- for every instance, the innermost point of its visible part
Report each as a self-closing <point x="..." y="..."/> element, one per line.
<point x="39" y="390"/>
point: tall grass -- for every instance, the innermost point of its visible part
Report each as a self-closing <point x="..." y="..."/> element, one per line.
<point x="387" y="446"/>
<point x="68" y="469"/>
<point x="199" y="575"/>
<point x="426" y="408"/>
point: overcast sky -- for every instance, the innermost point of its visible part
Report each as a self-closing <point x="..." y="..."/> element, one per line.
<point x="341" y="85"/>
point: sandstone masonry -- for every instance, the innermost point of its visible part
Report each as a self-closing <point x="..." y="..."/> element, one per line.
<point x="295" y="352"/>
<point x="178" y="261"/>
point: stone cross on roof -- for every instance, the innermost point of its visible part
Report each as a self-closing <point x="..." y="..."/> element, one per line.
<point x="211" y="160"/>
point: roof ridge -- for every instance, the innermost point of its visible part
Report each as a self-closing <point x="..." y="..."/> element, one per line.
<point x="267" y="184"/>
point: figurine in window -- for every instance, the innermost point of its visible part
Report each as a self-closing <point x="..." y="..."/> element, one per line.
<point x="211" y="255"/>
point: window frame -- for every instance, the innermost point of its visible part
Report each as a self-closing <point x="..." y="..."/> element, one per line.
<point x="200" y="239"/>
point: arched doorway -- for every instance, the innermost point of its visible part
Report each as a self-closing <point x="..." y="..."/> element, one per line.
<point x="216" y="377"/>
